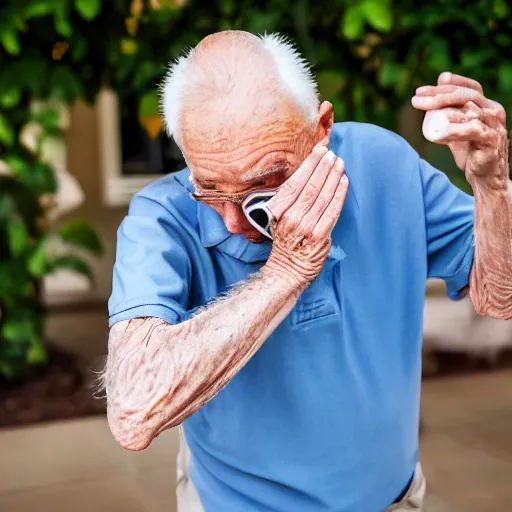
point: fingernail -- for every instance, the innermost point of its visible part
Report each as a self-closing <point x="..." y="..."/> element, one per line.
<point x="422" y="101"/>
<point x="446" y="76"/>
<point x="421" y="90"/>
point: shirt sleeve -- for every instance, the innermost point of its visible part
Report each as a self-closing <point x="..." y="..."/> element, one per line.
<point x="449" y="214"/>
<point x="152" y="269"/>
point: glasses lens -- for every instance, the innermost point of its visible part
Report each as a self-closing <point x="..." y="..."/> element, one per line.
<point x="260" y="217"/>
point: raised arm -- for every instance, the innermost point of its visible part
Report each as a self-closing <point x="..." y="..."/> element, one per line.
<point x="158" y="374"/>
<point x="474" y="127"/>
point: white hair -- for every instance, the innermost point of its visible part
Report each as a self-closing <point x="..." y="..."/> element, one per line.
<point x="293" y="70"/>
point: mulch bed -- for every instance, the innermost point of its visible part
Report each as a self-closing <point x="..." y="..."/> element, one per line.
<point x="449" y="364"/>
<point x="60" y="390"/>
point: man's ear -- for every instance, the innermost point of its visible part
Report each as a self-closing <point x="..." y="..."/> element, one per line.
<point x="325" y="122"/>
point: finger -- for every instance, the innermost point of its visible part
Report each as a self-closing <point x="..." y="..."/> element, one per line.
<point x="451" y="78"/>
<point x="311" y="191"/>
<point x="457" y="98"/>
<point x="293" y="186"/>
<point x="433" y="90"/>
<point x="331" y="214"/>
<point x="324" y="198"/>
<point x="474" y="131"/>
<point x="497" y="111"/>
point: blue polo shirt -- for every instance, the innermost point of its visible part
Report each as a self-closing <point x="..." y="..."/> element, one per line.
<point x="324" y="417"/>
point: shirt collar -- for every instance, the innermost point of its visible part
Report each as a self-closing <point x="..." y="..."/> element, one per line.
<point x="213" y="233"/>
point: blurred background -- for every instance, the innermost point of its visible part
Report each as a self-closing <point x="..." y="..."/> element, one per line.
<point x="80" y="133"/>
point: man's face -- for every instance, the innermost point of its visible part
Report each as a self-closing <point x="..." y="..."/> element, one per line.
<point x="252" y="158"/>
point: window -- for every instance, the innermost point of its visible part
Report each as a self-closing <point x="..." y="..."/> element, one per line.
<point x="129" y="158"/>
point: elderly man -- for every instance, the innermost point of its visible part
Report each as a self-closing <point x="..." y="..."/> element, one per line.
<point x="294" y="365"/>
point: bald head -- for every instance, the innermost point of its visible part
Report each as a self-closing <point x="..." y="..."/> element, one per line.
<point x="244" y="111"/>
<point x="232" y="80"/>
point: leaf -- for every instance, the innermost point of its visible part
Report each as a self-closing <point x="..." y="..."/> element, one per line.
<point x="168" y="4"/>
<point x="39" y="178"/>
<point x="472" y="59"/>
<point x="71" y="262"/>
<point x="15" y="161"/>
<point x="23" y="201"/>
<point x="353" y="21"/>
<point x="37" y="353"/>
<point x="80" y="233"/>
<point x="500" y="9"/>
<point x="330" y="82"/>
<point x="66" y="85"/>
<point x="88" y="9"/>
<point x="403" y="81"/>
<point x="148" y="105"/>
<point x="227" y="7"/>
<point x="19" y="329"/>
<point x="19" y="240"/>
<point x="505" y="76"/>
<point x="439" y="55"/>
<point x="504" y="40"/>
<point x="9" y="368"/>
<point x="38" y="262"/>
<point x="7" y="208"/>
<point x="49" y="118"/>
<point x="358" y="93"/>
<point x="389" y="74"/>
<point x="152" y="125"/>
<point x="128" y="46"/>
<point x="9" y="98"/>
<point x="7" y="135"/>
<point x="62" y="25"/>
<point x="14" y="280"/>
<point x="37" y="9"/>
<point x="378" y="14"/>
<point x="146" y="74"/>
<point x="78" y="46"/>
<point x="9" y="39"/>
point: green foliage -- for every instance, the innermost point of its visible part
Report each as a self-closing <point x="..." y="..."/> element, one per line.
<point x="80" y="233"/>
<point x="71" y="262"/>
<point x="369" y="56"/>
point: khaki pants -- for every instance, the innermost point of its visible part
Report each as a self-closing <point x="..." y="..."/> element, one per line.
<point x="189" y="501"/>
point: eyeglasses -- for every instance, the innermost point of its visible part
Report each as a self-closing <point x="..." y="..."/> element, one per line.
<point x="214" y="197"/>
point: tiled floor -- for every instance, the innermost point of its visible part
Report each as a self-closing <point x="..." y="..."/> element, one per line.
<point x="77" y="467"/>
<point x="467" y="447"/>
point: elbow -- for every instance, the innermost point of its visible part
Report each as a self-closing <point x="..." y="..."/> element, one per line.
<point x="130" y="433"/>
<point x="496" y="311"/>
<point x="490" y="305"/>
<point x="135" y="432"/>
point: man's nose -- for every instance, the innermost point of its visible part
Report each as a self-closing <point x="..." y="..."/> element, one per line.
<point x="234" y="218"/>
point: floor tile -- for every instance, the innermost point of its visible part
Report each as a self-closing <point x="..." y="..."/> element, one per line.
<point x="157" y="485"/>
<point x="78" y="450"/>
<point x="111" y="495"/>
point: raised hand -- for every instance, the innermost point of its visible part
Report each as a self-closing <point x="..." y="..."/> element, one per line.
<point x="471" y="125"/>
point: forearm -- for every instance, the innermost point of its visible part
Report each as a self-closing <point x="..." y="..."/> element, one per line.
<point x="159" y="374"/>
<point x="491" y="276"/>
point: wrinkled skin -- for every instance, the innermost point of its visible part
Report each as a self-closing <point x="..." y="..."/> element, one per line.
<point x="157" y="374"/>
<point x="474" y="128"/>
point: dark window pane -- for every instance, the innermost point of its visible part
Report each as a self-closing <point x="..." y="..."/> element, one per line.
<point x="141" y="154"/>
